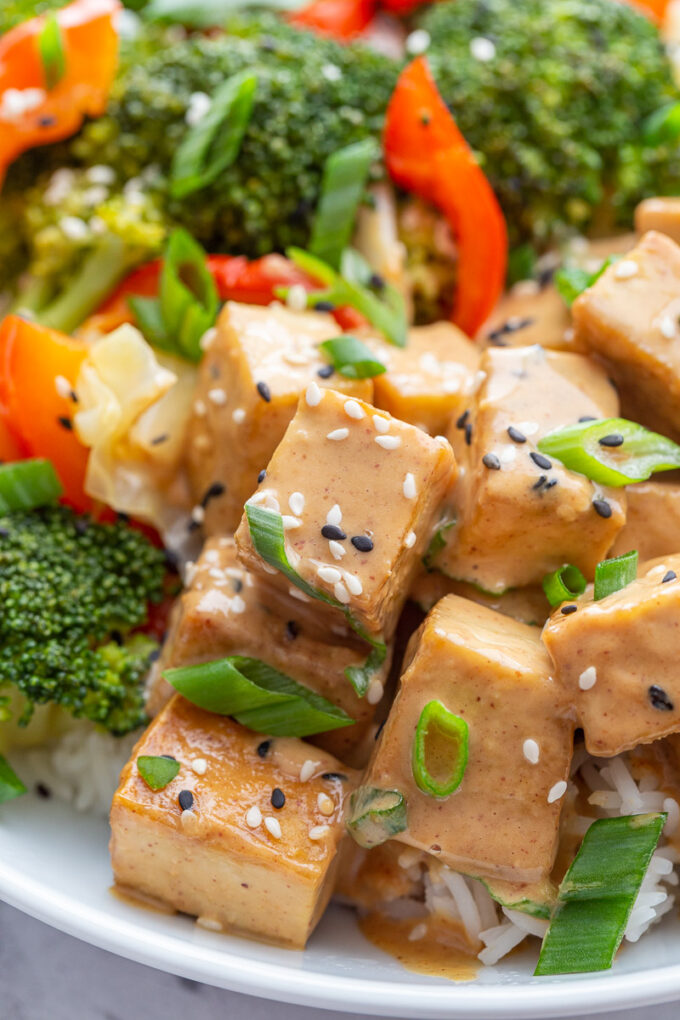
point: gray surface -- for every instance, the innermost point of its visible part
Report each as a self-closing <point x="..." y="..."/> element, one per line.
<point x="50" y="976"/>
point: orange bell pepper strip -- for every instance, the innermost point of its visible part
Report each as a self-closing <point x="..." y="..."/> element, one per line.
<point x="342" y="20"/>
<point x="89" y="45"/>
<point x="426" y="154"/>
<point x="654" y="9"/>
<point x="10" y="447"/>
<point x="33" y="406"/>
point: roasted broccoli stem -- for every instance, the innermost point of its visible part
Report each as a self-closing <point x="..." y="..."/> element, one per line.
<point x="72" y="591"/>
<point x="552" y="95"/>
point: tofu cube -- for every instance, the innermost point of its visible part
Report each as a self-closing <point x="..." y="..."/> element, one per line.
<point x="652" y="520"/>
<point x="430" y="379"/>
<point x="493" y="672"/>
<point x="662" y="214"/>
<point x="519" y="514"/>
<point x="232" y="859"/>
<point x="528" y="605"/>
<point x="250" y="379"/>
<point x="617" y="659"/>
<point x="360" y="493"/>
<point x="528" y="315"/>
<point x="227" y="610"/>
<point x="629" y="319"/>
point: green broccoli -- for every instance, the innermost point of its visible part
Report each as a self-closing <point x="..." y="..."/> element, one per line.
<point x="552" y="95"/>
<point x="72" y="591"/>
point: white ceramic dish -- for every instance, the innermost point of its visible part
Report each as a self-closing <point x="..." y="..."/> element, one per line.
<point x="54" y="865"/>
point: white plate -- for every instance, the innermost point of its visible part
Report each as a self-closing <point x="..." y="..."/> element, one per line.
<point x="54" y="865"/>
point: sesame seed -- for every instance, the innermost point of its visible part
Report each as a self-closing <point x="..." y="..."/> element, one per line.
<point x="329" y="574"/>
<point x="261" y="477"/>
<point x="542" y="479"/>
<point x="660" y="699"/>
<point x="381" y="424"/>
<point x="557" y="791"/>
<point x="670" y="575"/>
<point x="253" y="817"/>
<point x="186" y="800"/>
<point x="667" y="327"/>
<point x="468" y="435"/>
<point x="208" y="339"/>
<point x="353" y="583"/>
<point x="325" y="804"/>
<point x="336" y="550"/>
<point x="313" y="395"/>
<point x="491" y="461"/>
<point x="613" y="439"/>
<point x="307" y="770"/>
<point x="199" y="765"/>
<point x="217" y="396"/>
<point x="462" y="420"/>
<point x="419" y="931"/>
<point x="409" y="486"/>
<point x="587" y="417"/>
<point x="213" y="492"/>
<point x="410" y="540"/>
<point x="289" y="523"/>
<point x="341" y="593"/>
<point x="198" y="515"/>
<point x="334" y="515"/>
<point x="319" y="831"/>
<point x="264" y="391"/>
<point x="588" y="678"/>
<point x="375" y="692"/>
<point x="296" y="298"/>
<point x="296" y="502"/>
<point x="338" y="434"/>
<point x="209" y="923"/>
<point x="531" y="751"/>
<point x="263" y="748"/>
<point x="273" y="827"/>
<point x="482" y="49"/>
<point x="162" y="438"/>
<point x="388" y="442"/>
<point x="188" y="818"/>
<point x="65" y="422"/>
<point x="516" y="435"/>
<point x="625" y="269"/>
<point x="199" y="408"/>
<point x="238" y="416"/>
<point x="362" y="542"/>
<point x="602" y="507"/>
<point x="540" y="461"/>
<point x="278" y="798"/>
<point x="324" y="306"/>
<point x="353" y="409"/>
<point x="325" y="372"/>
<point x="568" y="610"/>
<point x="63" y="387"/>
<point x="237" y="605"/>
<point x="332" y="531"/>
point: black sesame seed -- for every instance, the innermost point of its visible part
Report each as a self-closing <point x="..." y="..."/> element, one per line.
<point x="237" y="584"/>
<point x="278" y="798"/>
<point x="170" y="757"/>
<point x="376" y="281"/>
<point x="587" y="417"/>
<point x="157" y="440"/>
<point x="362" y="542"/>
<point x="325" y="372"/>
<point x="263" y="748"/>
<point x="324" y="306"/>
<point x="264" y="391"/>
<point x="542" y="479"/>
<point x="212" y="492"/>
<point x="193" y="525"/>
<point x="670" y="575"/>
<point x="516" y="435"/>
<point x="380" y="729"/>
<point x="491" y="461"/>
<point x="567" y="610"/>
<point x="65" y="422"/>
<point x="186" y="800"/>
<point x="468" y="434"/>
<point x="460" y="423"/>
<point x="602" y="507"/>
<point x="153" y="655"/>
<point x="339" y="776"/>
<point x="549" y="485"/>
<point x="540" y="461"/>
<point x="425" y="119"/>
<point x="261" y="477"/>
<point x="46" y="121"/>
<point x="333" y="533"/>
<point x="613" y="439"/>
<point x="292" y="630"/>
<point x="43" y="791"/>
<point x="660" y="699"/>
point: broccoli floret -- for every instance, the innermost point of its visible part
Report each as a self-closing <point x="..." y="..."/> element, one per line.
<point x="553" y="103"/>
<point x="71" y="592"/>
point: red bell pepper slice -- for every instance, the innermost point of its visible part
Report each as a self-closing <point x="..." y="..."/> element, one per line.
<point x="340" y="19"/>
<point x="426" y="154"/>
<point x="90" y="47"/>
<point x="35" y="413"/>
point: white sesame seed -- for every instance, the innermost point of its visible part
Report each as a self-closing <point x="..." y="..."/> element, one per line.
<point x="217" y="396"/>
<point x="216" y="573"/>
<point x="353" y="409"/>
<point x="199" y="408"/>
<point x="417" y="42"/>
<point x="409" y="486"/>
<point x="557" y="791"/>
<point x="667" y="327"/>
<point x="273" y="827"/>
<point x="325" y="804"/>
<point x="418" y="932"/>
<point x="625" y="269"/>
<point x="296" y="298"/>
<point x="336" y="549"/>
<point x="588" y="678"/>
<point x="199" y="104"/>
<point x="331" y="575"/>
<point x="353" y="583"/>
<point x="237" y="605"/>
<point x="296" y="502"/>
<point x="410" y="540"/>
<point x="334" y="515"/>
<point x="74" y="228"/>
<point x="271" y="502"/>
<point x="239" y="415"/>
<point x="209" y="923"/>
<point x="289" y="523"/>
<point x="313" y="395"/>
<point x="188" y="819"/>
<point x="341" y="593"/>
<point x="482" y="49"/>
<point x="295" y="593"/>
<point x="381" y="424"/>
<point x="388" y="442"/>
<point x="319" y="831"/>
<point x="208" y="339"/>
<point x="198" y="514"/>
<point x="200" y="766"/>
<point x="531" y="751"/>
<point x="338" y="434"/>
<point x="307" y="770"/>
<point x="375" y="692"/>
<point x="63" y="387"/>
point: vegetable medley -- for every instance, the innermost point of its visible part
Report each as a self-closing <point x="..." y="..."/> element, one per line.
<point x="339" y="430"/>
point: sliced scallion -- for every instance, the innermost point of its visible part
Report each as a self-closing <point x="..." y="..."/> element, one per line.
<point x="376" y="815"/>
<point x="351" y="358"/>
<point x="344" y="178"/>
<point x="437" y="543"/>
<point x="612" y="575"/>
<point x="566" y="583"/>
<point x="258" y="696"/>
<point x="212" y="145"/>
<point x="584" y="447"/>
<point x="10" y="784"/>
<point x="663" y="126"/>
<point x="571" y="281"/>
<point x="439" y="752"/>
<point x="52" y="52"/>
<point x="157" y="770"/>
<point x="598" y="893"/>
<point x="534" y="898"/>
<point x="27" y="484"/>
<point x="268" y="538"/>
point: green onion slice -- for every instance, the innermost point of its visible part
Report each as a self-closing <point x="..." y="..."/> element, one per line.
<point x="566" y="583"/>
<point x="537" y="899"/>
<point x="257" y="696"/>
<point x="612" y="575"/>
<point x="268" y="537"/>
<point x="212" y="145"/>
<point x="28" y="484"/>
<point x="437" y="543"/>
<point x="571" y="281"/>
<point x="386" y="310"/>
<point x="10" y="784"/>
<point x="344" y="178"/>
<point x="641" y="454"/>
<point x="598" y="893"/>
<point x="376" y="815"/>
<point x="351" y="358"/>
<point x="52" y="52"/>
<point x="157" y="771"/>
<point x="439" y="753"/>
<point x="663" y="126"/>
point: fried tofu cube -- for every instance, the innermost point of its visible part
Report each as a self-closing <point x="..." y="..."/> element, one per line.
<point x="528" y="605"/>
<point x="652" y="520"/>
<point x="662" y="214"/>
<point x="250" y="379"/>
<point x="227" y="610"/>
<point x="518" y="514"/>
<point x="629" y="319"/>
<point x="360" y="493"/>
<point x="617" y="659"/>
<point x="430" y="379"/>
<point x="230" y="857"/>
<point x="493" y="672"/>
